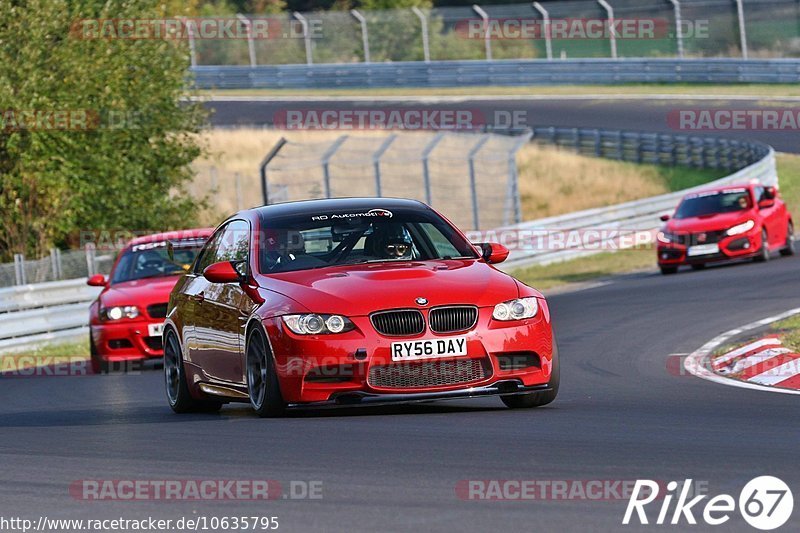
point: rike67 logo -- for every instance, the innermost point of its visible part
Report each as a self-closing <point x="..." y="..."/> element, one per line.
<point x="765" y="503"/>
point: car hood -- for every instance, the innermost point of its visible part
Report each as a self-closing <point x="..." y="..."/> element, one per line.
<point x="358" y="290"/>
<point x="141" y="292"/>
<point x="715" y="222"/>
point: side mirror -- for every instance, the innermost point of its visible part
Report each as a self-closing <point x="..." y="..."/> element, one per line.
<point x="767" y="202"/>
<point x="664" y="218"/>
<point x="98" y="280"/>
<point x="494" y="253"/>
<point x="223" y="272"/>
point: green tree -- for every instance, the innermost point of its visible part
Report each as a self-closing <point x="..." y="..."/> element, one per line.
<point x="122" y="162"/>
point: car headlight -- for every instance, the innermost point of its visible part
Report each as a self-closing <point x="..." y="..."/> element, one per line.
<point x="738" y="229"/>
<point x="518" y="309"/>
<point x="666" y="237"/>
<point x="314" y="324"/>
<point x="119" y="312"/>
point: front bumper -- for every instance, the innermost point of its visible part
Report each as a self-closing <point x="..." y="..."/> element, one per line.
<point x="500" y="388"/>
<point x="126" y="341"/>
<point x="346" y="367"/>
<point x="733" y="247"/>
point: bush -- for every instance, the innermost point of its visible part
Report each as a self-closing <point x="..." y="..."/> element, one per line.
<point x="123" y="163"/>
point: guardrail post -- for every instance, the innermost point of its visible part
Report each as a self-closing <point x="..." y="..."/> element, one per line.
<point x="598" y="143"/>
<point x="326" y="159"/>
<point x="548" y="38"/>
<point x="19" y="269"/>
<point x="513" y="196"/>
<point x="376" y="163"/>
<point x="306" y="36"/>
<point x="676" y="4"/>
<point x="190" y="37"/>
<point x="487" y="37"/>
<point x="90" y="262"/>
<point x="423" y="20"/>
<point x="263" y="168"/>
<point x="742" y="30"/>
<point x="364" y="32"/>
<point x="473" y="184"/>
<point x="612" y="36"/>
<point x="237" y="178"/>
<point x="426" y="175"/>
<point x="55" y="263"/>
<point x="251" y="45"/>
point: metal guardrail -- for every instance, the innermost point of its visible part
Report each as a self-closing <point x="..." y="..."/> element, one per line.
<point x="52" y="311"/>
<point x="497" y="73"/>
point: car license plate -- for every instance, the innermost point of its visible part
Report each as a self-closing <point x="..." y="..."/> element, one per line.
<point x="155" y="330"/>
<point x="703" y="249"/>
<point x="427" y="349"/>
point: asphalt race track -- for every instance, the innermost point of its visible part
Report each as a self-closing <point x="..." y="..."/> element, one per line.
<point x="620" y="416"/>
<point x="648" y="114"/>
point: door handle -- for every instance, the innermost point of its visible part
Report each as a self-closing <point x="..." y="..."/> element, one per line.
<point x="199" y="297"/>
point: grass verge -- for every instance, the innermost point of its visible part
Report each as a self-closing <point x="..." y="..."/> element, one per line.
<point x="45" y="355"/>
<point x="778" y="90"/>
<point x="586" y="268"/>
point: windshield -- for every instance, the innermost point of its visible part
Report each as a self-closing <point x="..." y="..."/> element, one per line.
<point x="714" y="202"/>
<point x="303" y="242"/>
<point x="151" y="261"/>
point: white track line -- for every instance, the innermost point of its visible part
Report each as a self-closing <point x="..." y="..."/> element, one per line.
<point x="479" y="98"/>
<point x="698" y="362"/>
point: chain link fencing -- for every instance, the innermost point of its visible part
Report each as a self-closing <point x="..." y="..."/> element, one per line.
<point x="472" y="178"/>
<point x="58" y="265"/>
<point x="547" y="29"/>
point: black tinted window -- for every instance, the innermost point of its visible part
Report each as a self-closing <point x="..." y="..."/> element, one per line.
<point x="326" y="239"/>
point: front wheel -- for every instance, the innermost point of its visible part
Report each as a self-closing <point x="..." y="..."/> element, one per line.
<point x="789" y="248"/>
<point x="538" y="399"/>
<point x="99" y="365"/>
<point x="668" y="270"/>
<point x="178" y="395"/>
<point x="262" y="379"/>
<point x="763" y="253"/>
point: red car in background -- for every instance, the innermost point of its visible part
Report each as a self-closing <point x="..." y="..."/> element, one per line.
<point x="725" y="223"/>
<point x="127" y="318"/>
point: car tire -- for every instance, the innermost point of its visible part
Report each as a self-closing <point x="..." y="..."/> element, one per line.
<point x="99" y="365"/>
<point x="789" y="248"/>
<point x="538" y="399"/>
<point x="763" y="252"/>
<point x="698" y="266"/>
<point x="262" y="379"/>
<point x="668" y="270"/>
<point x="177" y="386"/>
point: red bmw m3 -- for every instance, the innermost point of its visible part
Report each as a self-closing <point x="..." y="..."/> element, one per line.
<point x="352" y="301"/>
